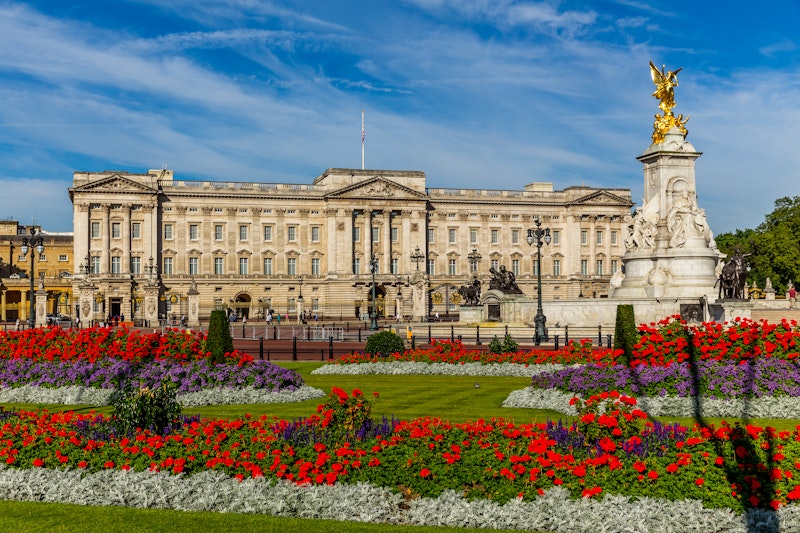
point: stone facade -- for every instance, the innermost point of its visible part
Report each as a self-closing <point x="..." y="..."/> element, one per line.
<point x="56" y="265"/>
<point x="149" y="240"/>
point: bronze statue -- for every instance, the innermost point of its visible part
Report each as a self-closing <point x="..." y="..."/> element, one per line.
<point x="471" y="293"/>
<point x="504" y="280"/>
<point x="733" y="277"/>
<point x="665" y="83"/>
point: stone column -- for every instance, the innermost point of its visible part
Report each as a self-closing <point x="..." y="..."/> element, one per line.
<point x="23" y="305"/>
<point x="150" y="309"/>
<point x="3" y="305"/>
<point x="105" y="247"/>
<point x="387" y="245"/>
<point x="405" y="243"/>
<point x="125" y="267"/>
<point x="368" y="239"/>
<point x="41" y="307"/>
<point x="193" y="297"/>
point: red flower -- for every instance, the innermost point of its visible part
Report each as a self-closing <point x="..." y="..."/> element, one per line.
<point x="424" y="472"/>
<point x="38" y="463"/>
<point x="652" y="474"/>
<point x="699" y="481"/>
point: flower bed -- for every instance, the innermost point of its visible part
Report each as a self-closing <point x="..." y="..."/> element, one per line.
<point x="53" y="365"/>
<point x="610" y="450"/>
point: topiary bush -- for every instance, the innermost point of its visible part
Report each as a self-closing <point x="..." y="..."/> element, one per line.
<point x="625" y="333"/>
<point x="219" y="341"/>
<point x="507" y="345"/>
<point x="384" y="344"/>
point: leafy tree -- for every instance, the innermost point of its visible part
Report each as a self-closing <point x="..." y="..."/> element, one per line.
<point x="625" y="334"/>
<point x="774" y="244"/>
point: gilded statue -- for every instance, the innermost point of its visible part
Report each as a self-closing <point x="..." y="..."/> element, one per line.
<point x="665" y="82"/>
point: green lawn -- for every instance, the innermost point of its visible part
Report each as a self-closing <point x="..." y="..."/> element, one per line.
<point x="453" y="398"/>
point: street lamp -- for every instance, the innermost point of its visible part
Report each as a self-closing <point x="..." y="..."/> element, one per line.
<point x="373" y="267"/>
<point x="417" y="256"/>
<point x="35" y="242"/>
<point x="300" y="301"/>
<point x="539" y="236"/>
<point x="474" y="258"/>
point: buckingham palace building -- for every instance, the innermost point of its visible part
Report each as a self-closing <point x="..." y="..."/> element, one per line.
<point x="150" y="246"/>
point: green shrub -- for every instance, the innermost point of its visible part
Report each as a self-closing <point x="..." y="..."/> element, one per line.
<point x="507" y="345"/>
<point x="625" y="334"/>
<point x="153" y="409"/>
<point x="384" y="344"/>
<point x="219" y="341"/>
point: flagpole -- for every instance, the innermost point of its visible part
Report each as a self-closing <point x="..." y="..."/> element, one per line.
<point x="362" y="139"/>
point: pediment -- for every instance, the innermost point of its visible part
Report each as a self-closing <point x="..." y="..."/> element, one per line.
<point x="377" y="188"/>
<point x="115" y="183"/>
<point x="602" y="198"/>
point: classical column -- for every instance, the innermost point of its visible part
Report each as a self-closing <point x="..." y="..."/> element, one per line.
<point x="3" y="305"/>
<point x="105" y="231"/>
<point x="387" y="246"/>
<point x="334" y="223"/>
<point x="405" y="242"/>
<point x="368" y="237"/>
<point x="126" y="239"/>
<point x="23" y="302"/>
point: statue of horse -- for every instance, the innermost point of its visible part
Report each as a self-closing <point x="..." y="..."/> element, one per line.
<point x="470" y="293"/>
<point x="731" y="282"/>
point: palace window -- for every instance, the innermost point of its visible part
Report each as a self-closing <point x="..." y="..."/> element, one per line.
<point x="291" y="233"/>
<point x="194" y="232"/>
<point x="116" y="230"/>
<point x="243" y="264"/>
<point x="314" y="233"/>
<point x="136" y="230"/>
<point x="515" y="266"/>
<point x="219" y="266"/>
<point x="584" y="237"/>
<point x="267" y="266"/>
<point x="599" y="267"/>
<point x="116" y="263"/>
<point x="218" y="232"/>
<point x="267" y="233"/>
<point x="194" y="265"/>
<point x="495" y="236"/>
<point x="243" y="233"/>
<point x="167" y="267"/>
<point x="291" y="266"/>
<point x="556" y="236"/>
<point x="136" y="265"/>
<point x="556" y="267"/>
<point x="315" y="266"/>
<point x="95" y="230"/>
<point x="168" y="231"/>
<point x="584" y="267"/>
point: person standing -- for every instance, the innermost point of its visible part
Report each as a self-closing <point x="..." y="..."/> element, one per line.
<point x="792" y="296"/>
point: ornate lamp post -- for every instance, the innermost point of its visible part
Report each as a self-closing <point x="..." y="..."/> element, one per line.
<point x="373" y="267"/>
<point x="35" y="242"/>
<point x="539" y="236"/>
<point x="474" y="257"/>
<point x="417" y="256"/>
<point x="300" y="301"/>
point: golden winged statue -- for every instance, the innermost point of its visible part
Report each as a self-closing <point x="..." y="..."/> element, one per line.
<point x="665" y="82"/>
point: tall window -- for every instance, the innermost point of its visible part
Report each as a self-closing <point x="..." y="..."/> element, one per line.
<point x="194" y="265"/>
<point x="599" y="238"/>
<point x="614" y="237"/>
<point x="451" y="235"/>
<point x="95" y="230"/>
<point x="514" y="236"/>
<point x="584" y="267"/>
<point x="451" y="267"/>
<point x="535" y="267"/>
<point x="614" y="266"/>
<point x="116" y="262"/>
<point x="167" y="266"/>
<point x="315" y="304"/>
<point x="136" y="265"/>
<point x="356" y="234"/>
<point x="168" y="231"/>
<point x="116" y="230"/>
<point x="473" y="236"/>
<point x="431" y="267"/>
<point x="242" y="232"/>
<point x="218" y="232"/>
<point x="194" y="232"/>
<point x="394" y="265"/>
<point x="495" y="263"/>
<point x="556" y="267"/>
<point x="267" y="233"/>
<point x="95" y="264"/>
<point x="267" y="266"/>
<point x="291" y="233"/>
<point x="243" y="266"/>
<point x="136" y="230"/>
<point x="599" y="267"/>
<point x="314" y="233"/>
<point x="495" y="236"/>
<point x="356" y="266"/>
<point x="556" y="236"/>
<point x="376" y="234"/>
<point x="515" y="266"/>
<point x="584" y="237"/>
<point x="291" y="266"/>
<point x="315" y="266"/>
<point x="431" y="233"/>
<point x="394" y="234"/>
<point x="219" y="266"/>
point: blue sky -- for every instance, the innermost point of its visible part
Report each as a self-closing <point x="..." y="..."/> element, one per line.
<point x="477" y="94"/>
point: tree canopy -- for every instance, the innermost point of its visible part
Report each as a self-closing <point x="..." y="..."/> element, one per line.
<point x="774" y="244"/>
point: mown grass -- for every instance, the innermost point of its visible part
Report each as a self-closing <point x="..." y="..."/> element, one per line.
<point x="454" y="398"/>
